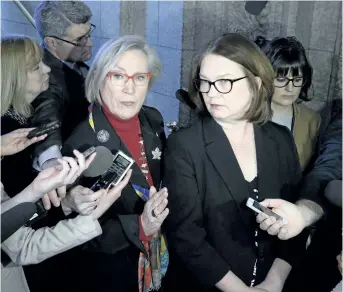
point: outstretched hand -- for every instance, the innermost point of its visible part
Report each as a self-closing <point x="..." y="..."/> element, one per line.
<point x="17" y="141"/>
<point x="289" y="211"/>
<point x="75" y="169"/>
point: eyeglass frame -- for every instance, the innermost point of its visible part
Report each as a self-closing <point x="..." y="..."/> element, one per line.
<point x="128" y="77"/>
<point x="88" y="35"/>
<point x="289" y="80"/>
<point x="232" y="81"/>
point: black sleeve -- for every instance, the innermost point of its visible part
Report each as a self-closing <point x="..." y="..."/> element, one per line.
<point x="184" y="225"/>
<point x="293" y="249"/>
<point x="48" y="107"/>
<point x="328" y="165"/>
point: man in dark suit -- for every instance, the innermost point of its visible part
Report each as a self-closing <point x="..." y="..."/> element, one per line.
<point x="64" y="28"/>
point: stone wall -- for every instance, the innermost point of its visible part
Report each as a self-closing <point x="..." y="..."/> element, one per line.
<point x="317" y="24"/>
<point x="176" y="29"/>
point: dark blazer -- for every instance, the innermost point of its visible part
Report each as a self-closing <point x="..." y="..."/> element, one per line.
<point x="64" y="100"/>
<point x="209" y="229"/>
<point x="111" y="259"/>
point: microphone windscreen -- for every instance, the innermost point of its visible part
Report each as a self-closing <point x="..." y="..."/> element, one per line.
<point x="15" y="218"/>
<point x="255" y="7"/>
<point x="102" y="161"/>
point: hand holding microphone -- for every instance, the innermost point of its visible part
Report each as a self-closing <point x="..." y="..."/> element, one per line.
<point x="85" y="201"/>
<point x="65" y="174"/>
<point x="51" y="178"/>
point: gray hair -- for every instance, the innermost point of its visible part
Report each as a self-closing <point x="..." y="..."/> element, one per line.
<point x="107" y="57"/>
<point x="54" y="17"/>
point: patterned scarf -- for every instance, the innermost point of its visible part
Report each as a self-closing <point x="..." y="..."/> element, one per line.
<point x="153" y="268"/>
<point x="12" y="114"/>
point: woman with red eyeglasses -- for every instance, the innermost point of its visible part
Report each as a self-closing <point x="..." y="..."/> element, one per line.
<point x="131" y="254"/>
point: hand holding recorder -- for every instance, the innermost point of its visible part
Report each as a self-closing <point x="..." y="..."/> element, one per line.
<point x="17" y="141"/>
<point x="105" y="191"/>
<point x="293" y="213"/>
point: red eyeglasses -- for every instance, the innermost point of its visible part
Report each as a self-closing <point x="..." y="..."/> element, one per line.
<point x="139" y="79"/>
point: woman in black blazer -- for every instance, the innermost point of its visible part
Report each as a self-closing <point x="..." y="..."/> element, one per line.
<point x="130" y="255"/>
<point x="230" y="154"/>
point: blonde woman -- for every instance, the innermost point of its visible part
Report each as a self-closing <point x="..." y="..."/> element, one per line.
<point x="24" y="77"/>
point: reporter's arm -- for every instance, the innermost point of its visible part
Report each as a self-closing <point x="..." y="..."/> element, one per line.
<point x="328" y="165"/>
<point x="310" y="211"/>
<point x="47" y="158"/>
<point x="29" y="246"/>
<point x="27" y="195"/>
<point x="48" y="107"/>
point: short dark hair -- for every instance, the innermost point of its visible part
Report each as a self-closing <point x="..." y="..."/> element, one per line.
<point x="239" y="49"/>
<point x="288" y="54"/>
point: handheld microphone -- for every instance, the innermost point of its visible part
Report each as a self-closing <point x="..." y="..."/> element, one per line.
<point x="15" y="218"/>
<point x="255" y="7"/>
<point x="102" y="161"/>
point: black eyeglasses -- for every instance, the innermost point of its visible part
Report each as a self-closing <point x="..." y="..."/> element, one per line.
<point x="283" y="81"/>
<point x="221" y="85"/>
<point x="82" y="41"/>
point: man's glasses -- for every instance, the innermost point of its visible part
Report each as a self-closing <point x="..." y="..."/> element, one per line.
<point x="221" y="85"/>
<point x="82" y="41"/>
<point x="119" y="79"/>
<point x="283" y="81"/>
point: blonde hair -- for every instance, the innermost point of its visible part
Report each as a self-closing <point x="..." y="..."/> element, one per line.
<point x="19" y="54"/>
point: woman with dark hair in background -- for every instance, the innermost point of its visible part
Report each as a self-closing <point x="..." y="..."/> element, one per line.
<point x="292" y="80"/>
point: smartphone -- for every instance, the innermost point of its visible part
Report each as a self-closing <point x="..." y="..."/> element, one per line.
<point x="257" y="207"/>
<point x="113" y="176"/>
<point x="89" y="152"/>
<point x="44" y="129"/>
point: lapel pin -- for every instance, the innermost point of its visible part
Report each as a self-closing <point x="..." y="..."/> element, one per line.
<point x="156" y="154"/>
<point x="103" y="136"/>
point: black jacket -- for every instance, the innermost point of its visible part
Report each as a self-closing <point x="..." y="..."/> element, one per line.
<point x="209" y="229"/>
<point x="64" y="101"/>
<point x="111" y="259"/>
<point x="16" y="170"/>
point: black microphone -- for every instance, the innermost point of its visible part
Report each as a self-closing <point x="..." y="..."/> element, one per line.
<point x="255" y="7"/>
<point x="183" y="96"/>
<point x="102" y="161"/>
<point x="15" y="218"/>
